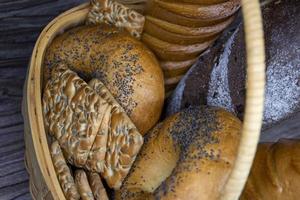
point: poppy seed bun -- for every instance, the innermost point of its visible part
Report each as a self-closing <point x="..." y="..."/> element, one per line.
<point x="127" y="68"/>
<point x="188" y="156"/>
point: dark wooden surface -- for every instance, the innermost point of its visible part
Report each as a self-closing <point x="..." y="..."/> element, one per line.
<point x="21" y="21"/>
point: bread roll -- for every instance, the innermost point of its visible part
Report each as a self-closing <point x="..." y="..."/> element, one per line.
<point x="275" y="173"/>
<point x="127" y="68"/>
<point x="188" y="156"/>
<point x="219" y="77"/>
<point x="63" y="172"/>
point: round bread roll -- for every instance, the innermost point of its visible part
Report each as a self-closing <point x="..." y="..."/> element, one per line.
<point x="275" y="173"/>
<point x="188" y="156"/>
<point x="127" y="68"/>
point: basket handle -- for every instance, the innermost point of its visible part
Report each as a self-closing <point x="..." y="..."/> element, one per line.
<point x="255" y="87"/>
<point x="254" y="99"/>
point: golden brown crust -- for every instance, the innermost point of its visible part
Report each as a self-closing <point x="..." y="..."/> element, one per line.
<point x="201" y="12"/>
<point x="191" y="155"/>
<point x="123" y="142"/>
<point x="91" y="127"/>
<point x="83" y="185"/>
<point x="63" y="172"/>
<point x="275" y="172"/>
<point x="183" y="35"/>
<point x="97" y="187"/>
<point x="180" y="30"/>
<point x="110" y="12"/>
<point x="202" y="2"/>
<point x="128" y="69"/>
<point x="171" y="83"/>
<point x="208" y="30"/>
<point x="158" y="12"/>
<point x="173" y="68"/>
<point x="72" y="113"/>
<point x="171" y="37"/>
<point x="96" y="158"/>
<point x="175" y="52"/>
<point x="173" y="65"/>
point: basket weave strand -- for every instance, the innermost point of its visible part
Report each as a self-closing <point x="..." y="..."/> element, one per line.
<point x="254" y="99"/>
<point x="44" y="183"/>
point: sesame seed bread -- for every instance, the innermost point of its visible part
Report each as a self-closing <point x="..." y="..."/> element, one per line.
<point x="128" y="69"/>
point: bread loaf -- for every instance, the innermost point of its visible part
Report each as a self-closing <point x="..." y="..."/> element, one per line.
<point x="179" y="31"/>
<point x="91" y="127"/>
<point x="275" y="173"/>
<point x="126" y="67"/>
<point x="188" y="156"/>
<point x="219" y="76"/>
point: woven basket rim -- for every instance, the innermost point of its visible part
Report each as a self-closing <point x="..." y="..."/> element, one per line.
<point x="254" y="97"/>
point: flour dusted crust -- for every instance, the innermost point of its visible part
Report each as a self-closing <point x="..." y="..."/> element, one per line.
<point x="64" y="175"/>
<point x="110" y="12"/>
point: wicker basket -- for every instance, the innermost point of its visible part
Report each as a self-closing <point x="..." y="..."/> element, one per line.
<point x="43" y="181"/>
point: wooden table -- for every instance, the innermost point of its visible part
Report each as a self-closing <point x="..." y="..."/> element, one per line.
<point x="21" y="21"/>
